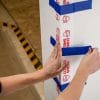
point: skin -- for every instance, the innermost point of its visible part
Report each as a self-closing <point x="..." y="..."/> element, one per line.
<point x="51" y="68"/>
<point x="89" y="64"/>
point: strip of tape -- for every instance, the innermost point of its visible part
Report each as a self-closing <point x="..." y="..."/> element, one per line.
<point x="61" y="87"/>
<point x="71" y="8"/>
<point x="71" y="51"/>
<point x="31" y="54"/>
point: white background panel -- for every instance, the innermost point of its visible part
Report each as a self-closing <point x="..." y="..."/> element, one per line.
<point x="86" y="31"/>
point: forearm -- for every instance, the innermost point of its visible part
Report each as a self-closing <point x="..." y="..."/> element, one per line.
<point x="73" y="92"/>
<point x="16" y="82"/>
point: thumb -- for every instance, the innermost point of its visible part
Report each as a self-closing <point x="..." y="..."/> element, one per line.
<point x="90" y="51"/>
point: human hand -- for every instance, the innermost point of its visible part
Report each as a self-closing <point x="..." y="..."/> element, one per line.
<point x="90" y="63"/>
<point x="53" y="65"/>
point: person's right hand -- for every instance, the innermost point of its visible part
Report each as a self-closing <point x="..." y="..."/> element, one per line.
<point x="90" y="63"/>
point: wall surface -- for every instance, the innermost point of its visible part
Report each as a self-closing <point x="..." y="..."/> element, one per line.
<point x="85" y="31"/>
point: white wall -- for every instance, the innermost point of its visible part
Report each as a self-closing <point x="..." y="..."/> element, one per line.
<point x="85" y="31"/>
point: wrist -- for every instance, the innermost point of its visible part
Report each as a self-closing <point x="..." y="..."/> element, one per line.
<point x="44" y="74"/>
<point x="82" y="73"/>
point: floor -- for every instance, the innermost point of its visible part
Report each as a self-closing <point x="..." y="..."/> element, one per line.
<point x="26" y="15"/>
<point x="9" y="65"/>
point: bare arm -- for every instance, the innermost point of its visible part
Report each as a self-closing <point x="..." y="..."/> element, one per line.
<point x="16" y="82"/>
<point x="75" y="88"/>
<point x="51" y="68"/>
<point x="89" y="64"/>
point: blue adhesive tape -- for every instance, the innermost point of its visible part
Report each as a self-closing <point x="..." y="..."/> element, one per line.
<point x="85" y="5"/>
<point x="60" y="86"/>
<point x="57" y="82"/>
<point x="52" y="41"/>
<point x="71" y="8"/>
<point x="70" y="51"/>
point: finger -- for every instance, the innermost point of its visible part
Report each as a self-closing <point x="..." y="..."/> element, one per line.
<point x="90" y="51"/>
<point x="59" y="51"/>
<point x="57" y="46"/>
<point x="95" y="51"/>
<point x="63" y="67"/>
<point x="54" y="52"/>
<point x="58" y="60"/>
<point x="60" y="69"/>
<point x="58" y="40"/>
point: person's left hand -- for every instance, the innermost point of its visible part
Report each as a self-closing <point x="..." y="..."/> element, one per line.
<point x="53" y="65"/>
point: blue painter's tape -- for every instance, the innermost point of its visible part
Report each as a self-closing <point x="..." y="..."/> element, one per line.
<point x="57" y="82"/>
<point x="60" y="86"/>
<point x="64" y="86"/>
<point x="70" y="51"/>
<point x="52" y="41"/>
<point x="85" y="5"/>
<point x="71" y="8"/>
